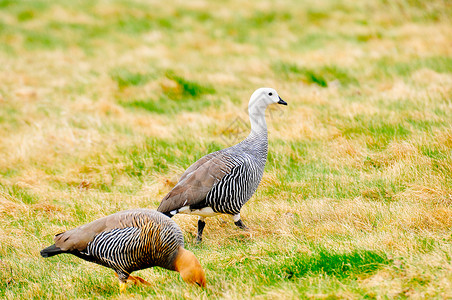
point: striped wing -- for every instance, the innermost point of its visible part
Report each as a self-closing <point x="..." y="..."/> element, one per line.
<point x="117" y="248"/>
<point x="133" y="248"/>
<point x="198" y="180"/>
<point x="77" y="239"/>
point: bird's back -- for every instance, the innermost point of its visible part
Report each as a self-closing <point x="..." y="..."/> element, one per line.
<point x="128" y="240"/>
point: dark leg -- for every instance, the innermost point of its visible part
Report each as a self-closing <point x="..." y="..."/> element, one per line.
<point x="201" y="225"/>
<point x="238" y="222"/>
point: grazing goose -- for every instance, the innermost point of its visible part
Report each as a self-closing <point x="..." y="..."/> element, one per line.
<point x="128" y="241"/>
<point x="223" y="181"/>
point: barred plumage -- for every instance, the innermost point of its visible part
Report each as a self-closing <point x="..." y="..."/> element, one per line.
<point x="128" y="241"/>
<point x="223" y="181"/>
<point x="246" y="169"/>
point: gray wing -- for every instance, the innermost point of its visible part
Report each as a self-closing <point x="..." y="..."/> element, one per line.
<point x="197" y="181"/>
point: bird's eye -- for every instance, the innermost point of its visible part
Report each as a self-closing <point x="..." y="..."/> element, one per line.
<point x="270" y="94"/>
<point x="198" y="283"/>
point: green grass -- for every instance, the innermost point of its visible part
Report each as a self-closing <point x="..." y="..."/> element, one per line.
<point x="103" y="105"/>
<point x="340" y="265"/>
<point x="167" y="105"/>
<point x="319" y="76"/>
<point x="158" y="155"/>
<point x="183" y="95"/>
<point x="126" y="78"/>
<point x="186" y="88"/>
<point x="440" y="64"/>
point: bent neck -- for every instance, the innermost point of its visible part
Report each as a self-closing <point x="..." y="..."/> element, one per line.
<point x="189" y="267"/>
<point x="181" y="261"/>
<point x="185" y="260"/>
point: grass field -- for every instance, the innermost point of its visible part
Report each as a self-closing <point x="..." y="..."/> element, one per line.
<point x="103" y="104"/>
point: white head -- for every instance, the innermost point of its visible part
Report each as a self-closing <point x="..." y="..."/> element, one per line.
<point x="263" y="97"/>
<point x="259" y="101"/>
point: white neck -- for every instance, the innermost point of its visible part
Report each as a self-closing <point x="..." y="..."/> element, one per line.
<point x="257" y="118"/>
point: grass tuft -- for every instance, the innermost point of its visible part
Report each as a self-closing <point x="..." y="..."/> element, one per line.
<point x="125" y="78"/>
<point x="178" y="95"/>
<point x="440" y="64"/>
<point x="185" y="88"/>
<point x="356" y="263"/>
<point x="19" y="194"/>
<point x="26" y="15"/>
<point x="321" y="76"/>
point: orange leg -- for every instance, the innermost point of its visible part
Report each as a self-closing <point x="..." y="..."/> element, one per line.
<point x="122" y="284"/>
<point x="138" y="280"/>
<point x="133" y="279"/>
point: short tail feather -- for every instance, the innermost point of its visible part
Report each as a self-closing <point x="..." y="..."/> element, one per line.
<point x="50" y="251"/>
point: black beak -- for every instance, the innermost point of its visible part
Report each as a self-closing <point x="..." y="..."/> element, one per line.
<point x="281" y="101"/>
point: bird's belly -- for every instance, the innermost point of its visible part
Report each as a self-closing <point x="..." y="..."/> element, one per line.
<point x="203" y="212"/>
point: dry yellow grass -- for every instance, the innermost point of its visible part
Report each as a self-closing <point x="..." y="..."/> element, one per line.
<point x="92" y="122"/>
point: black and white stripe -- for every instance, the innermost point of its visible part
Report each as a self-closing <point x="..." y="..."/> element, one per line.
<point x="223" y="181"/>
<point x="151" y="240"/>
<point x="247" y="162"/>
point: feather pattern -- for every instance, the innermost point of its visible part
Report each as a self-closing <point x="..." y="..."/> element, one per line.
<point x="125" y="241"/>
<point x="224" y="180"/>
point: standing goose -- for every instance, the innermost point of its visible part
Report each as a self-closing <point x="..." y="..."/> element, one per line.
<point x="128" y="241"/>
<point x="223" y="181"/>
